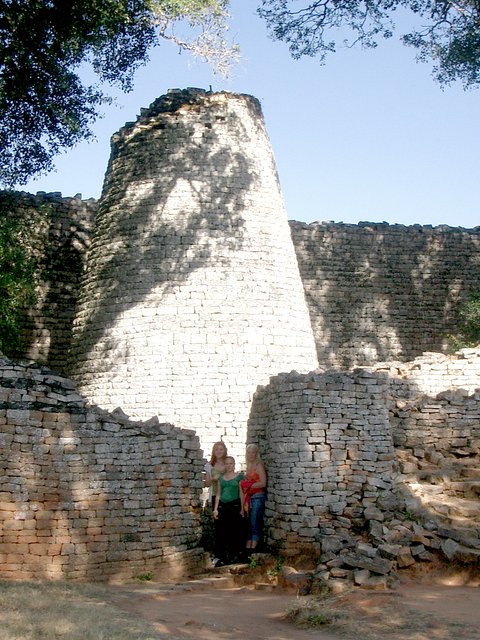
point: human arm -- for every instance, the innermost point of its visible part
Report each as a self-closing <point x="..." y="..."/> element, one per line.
<point x="242" y="498"/>
<point x="217" y="500"/>
<point x="261" y="483"/>
<point x="207" y="481"/>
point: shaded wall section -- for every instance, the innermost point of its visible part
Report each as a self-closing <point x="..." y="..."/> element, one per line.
<point x="384" y="292"/>
<point x="328" y="447"/>
<point x="57" y="233"/>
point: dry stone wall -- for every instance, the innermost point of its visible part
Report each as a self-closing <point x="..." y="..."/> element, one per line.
<point x="59" y="231"/>
<point x="384" y="292"/>
<point x="328" y="447"/>
<point x="192" y="295"/>
<point x="85" y="494"/>
<point x="369" y="473"/>
<point x="375" y="291"/>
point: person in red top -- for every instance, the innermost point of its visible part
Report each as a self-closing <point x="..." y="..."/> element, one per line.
<point x="253" y="492"/>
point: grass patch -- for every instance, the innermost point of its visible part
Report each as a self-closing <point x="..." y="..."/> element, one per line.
<point x="49" y="611"/>
<point x="360" y="615"/>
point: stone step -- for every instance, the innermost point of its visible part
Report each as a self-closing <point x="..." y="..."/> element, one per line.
<point x="434" y="497"/>
<point x="467" y="488"/>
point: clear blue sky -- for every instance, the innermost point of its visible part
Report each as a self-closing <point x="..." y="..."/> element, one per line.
<point x="367" y="137"/>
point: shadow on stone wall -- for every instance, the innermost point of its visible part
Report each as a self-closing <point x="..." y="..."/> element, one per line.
<point x="55" y="233"/>
<point x="91" y="495"/>
<point x="364" y="489"/>
<point x="136" y="248"/>
<point x="379" y="292"/>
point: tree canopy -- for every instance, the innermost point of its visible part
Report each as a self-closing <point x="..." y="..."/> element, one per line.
<point x="450" y="36"/>
<point x="44" y="104"/>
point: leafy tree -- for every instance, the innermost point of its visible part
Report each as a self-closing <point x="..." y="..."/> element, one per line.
<point x="44" y="105"/>
<point x="20" y="270"/>
<point x="450" y="37"/>
<point x="468" y="324"/>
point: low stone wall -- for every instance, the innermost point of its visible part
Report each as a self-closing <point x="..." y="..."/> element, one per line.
<point x="85" y="494"/>
<point x="435" y="401"/>
<point x="327" y="444"/>
<point x="369" y="474"/>
<point x="434" y="373"/>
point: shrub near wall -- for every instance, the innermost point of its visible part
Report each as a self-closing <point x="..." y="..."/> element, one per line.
<point x="88" y="494"/>
<point x="58" y="238"/>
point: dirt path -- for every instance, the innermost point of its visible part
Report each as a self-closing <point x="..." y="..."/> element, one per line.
<point x="413" y="612"/>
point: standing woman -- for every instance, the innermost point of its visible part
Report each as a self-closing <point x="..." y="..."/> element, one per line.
<point x="253" y="488"/>
<point x="215" y="468"/>
<point x="228" y="514"/>
<point x="213" y="471"/>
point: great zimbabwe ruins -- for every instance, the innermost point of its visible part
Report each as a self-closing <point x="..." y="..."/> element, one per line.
<point x="183" y="307"/>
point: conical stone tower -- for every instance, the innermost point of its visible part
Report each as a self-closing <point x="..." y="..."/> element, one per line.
<point x="192" y="295"/>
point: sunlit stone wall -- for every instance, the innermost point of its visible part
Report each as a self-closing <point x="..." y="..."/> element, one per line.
<point x="85" y="494"/>
<point x="192" y="296"/>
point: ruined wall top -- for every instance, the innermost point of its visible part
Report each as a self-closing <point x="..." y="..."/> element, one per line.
<point x="176" y="100"/>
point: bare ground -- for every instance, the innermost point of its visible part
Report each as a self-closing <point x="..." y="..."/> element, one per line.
<point x="441" y="607"/>
<point x="437" y="610"/>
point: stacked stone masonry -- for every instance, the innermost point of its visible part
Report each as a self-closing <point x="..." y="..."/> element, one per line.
<point x="192" y="297"/>
<point x="374" y="291"/>
<point x="85" y="494"/>
<point x="192" y="274"/>
<point x="328" y="447"/>
<point x="59" y="232"/>
<point x="370" y="473"/>
<point x="384" y="292"/>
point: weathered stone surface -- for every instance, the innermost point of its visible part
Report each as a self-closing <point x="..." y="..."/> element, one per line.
<point x="376" y="565"/>
<point x="192" y="275"/>
<point x="87" y="497"/>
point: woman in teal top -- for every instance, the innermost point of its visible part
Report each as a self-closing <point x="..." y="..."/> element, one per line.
<point x="229" y="514"/>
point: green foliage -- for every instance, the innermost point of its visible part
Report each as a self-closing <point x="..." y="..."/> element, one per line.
<point x="449" y="35"/>
<point x="468" y="332"/>
<point x="21" y="267"/>
<point x="44" y="105"/>
<point x="18" y="279"/>
<point x="145" y="577"/>
<point x="408" y="515"/>
<point x="274" y="571"/>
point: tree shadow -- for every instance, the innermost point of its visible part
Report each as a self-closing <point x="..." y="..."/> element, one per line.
<point x="379" y="292"/>
<point x="171" y="199"/>
<point x="94" y="494"/>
